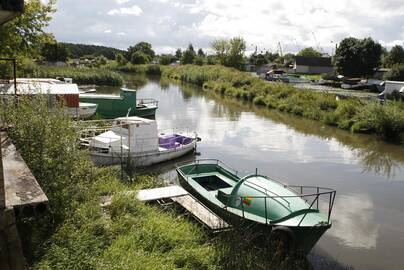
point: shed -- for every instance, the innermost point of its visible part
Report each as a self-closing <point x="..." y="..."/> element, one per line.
<point x="313" y="65"/>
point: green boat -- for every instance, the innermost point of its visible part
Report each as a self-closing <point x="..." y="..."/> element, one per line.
<point x="126" y="104"/>
<point x="291" y="214"/>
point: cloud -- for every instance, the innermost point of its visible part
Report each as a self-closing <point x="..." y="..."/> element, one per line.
<point x="108" y="31"/>
<point x="171" y="24"/>
<point x="121" y="34"/>
<point x="134" y="10"/>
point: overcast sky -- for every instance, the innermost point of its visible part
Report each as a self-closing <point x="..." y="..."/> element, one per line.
<point x="167" y="24"/>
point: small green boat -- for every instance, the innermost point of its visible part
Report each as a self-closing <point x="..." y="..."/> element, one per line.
<point x="289" y="213"/>
<point x="113" y="106"/>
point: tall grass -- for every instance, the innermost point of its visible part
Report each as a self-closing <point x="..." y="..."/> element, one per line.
<point x="138" y="69"/>
<point x="82" y="75"/>
<point x="386" y="121"/>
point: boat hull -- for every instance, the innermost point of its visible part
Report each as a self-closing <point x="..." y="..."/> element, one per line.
<point x="110" y="106"/>
<point x="144" y="159"/>
<point x="304" y="238"/>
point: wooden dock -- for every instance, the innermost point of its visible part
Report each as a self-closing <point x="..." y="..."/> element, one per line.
<point x="180" y="196"/>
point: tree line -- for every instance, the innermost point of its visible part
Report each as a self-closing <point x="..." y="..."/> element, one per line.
<point x="353" y="57"/>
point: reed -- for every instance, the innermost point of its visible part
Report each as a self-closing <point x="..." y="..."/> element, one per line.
<point x="82" y="75"/>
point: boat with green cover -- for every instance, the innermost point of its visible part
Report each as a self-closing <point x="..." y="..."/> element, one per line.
<point x="298" y="215"/>
<point x="126" y="104"/>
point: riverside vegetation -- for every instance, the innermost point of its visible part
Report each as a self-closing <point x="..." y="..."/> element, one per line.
<point x="384" y="120"/>
<point x="78" y="233"/>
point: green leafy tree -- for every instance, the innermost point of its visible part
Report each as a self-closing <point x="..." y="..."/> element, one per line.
<point x="178" y="54"/>
<point x="395" y="56"/>
<point x="199" y="60"/>
<point x="54" y="52"/>
<point x="230" y="53"/>
<point x="24" y="35"/>
<point x="120" y="59"/>
<point x="211" y="60"/>
<point x="309" y="52"/>
<point x="358" y="57"/>
<point x="139" y="58"/>
<point x="166" y="59"/>
<point x="201" y="53"/>
<point x="221" y="48"/>
<point x="143" y="47"/>
<point x="188" y="56"/>
<point x="258" y="59"/>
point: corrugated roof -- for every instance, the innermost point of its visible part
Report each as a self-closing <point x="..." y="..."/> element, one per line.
<point x="41" y="86"/>
<point x="313" y="61"/>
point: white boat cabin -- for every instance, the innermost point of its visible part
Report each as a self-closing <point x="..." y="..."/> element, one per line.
<point x="133" y="134"/>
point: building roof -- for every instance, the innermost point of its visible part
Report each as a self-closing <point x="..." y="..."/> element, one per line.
<point x="9" y="9"/>
<point x="41" y="86"/>
<point x="313" y="61"/>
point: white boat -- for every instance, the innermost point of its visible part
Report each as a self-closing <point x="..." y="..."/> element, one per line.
<point x="136" y="141"/>
<point x="63" y="92"/>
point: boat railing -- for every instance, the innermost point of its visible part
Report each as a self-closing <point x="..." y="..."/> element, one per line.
<point x="312" y="199"/>
<point x="208" y="161"/>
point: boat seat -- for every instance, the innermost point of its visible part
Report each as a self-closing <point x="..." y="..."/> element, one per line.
<point x="224" y="194"/>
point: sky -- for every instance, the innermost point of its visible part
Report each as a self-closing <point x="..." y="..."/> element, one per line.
<point x="266" y="24"/>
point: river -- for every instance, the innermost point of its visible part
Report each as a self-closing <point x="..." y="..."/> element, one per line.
<point x="368" y="216"/>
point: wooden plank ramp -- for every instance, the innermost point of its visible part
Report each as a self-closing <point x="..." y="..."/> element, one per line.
<point x="188" y="202"/>
<point x="202" y="213"/>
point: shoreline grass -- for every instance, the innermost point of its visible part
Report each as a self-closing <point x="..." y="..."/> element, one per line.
<point x="355" y="115"/>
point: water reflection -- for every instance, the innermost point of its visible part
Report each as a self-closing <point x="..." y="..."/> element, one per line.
<point x="354" y="222"/>
<point x="373" y="155"/>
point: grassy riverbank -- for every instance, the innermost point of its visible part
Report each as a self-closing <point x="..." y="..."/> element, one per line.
<point x="386" y="121"/>
<point x="97" y="76"/>
<point x="78" y="233"/>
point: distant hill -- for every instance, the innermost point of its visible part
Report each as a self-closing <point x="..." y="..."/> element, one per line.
<point x="79" y="50"/>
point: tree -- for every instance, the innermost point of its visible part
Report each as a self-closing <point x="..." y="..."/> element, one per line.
<point x="143" y="47"/>
<point x="54" y="52"/>
<point x="199" y="60"/>
<point x="24" y="35"/>
<point x="236" y="53"/>
<point x="188" y="56"/>
<point x="178" y="54"/>
<point x="357" y="57"/>
<point x="120" y="59"/>
<point x="309" y="52"/>
<point x="139" y="58"/>
<point x="230" y="52"/>
<point x="211" y="60"/>
<point x="166" y="59"/>
<point x="258" y="59"/>
<point x="221" y="48"/>
<point x="201" y="53"/>
<point x="395" y="56"/>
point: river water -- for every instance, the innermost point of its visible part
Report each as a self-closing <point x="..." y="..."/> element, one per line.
<point x="368" y="216"/>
